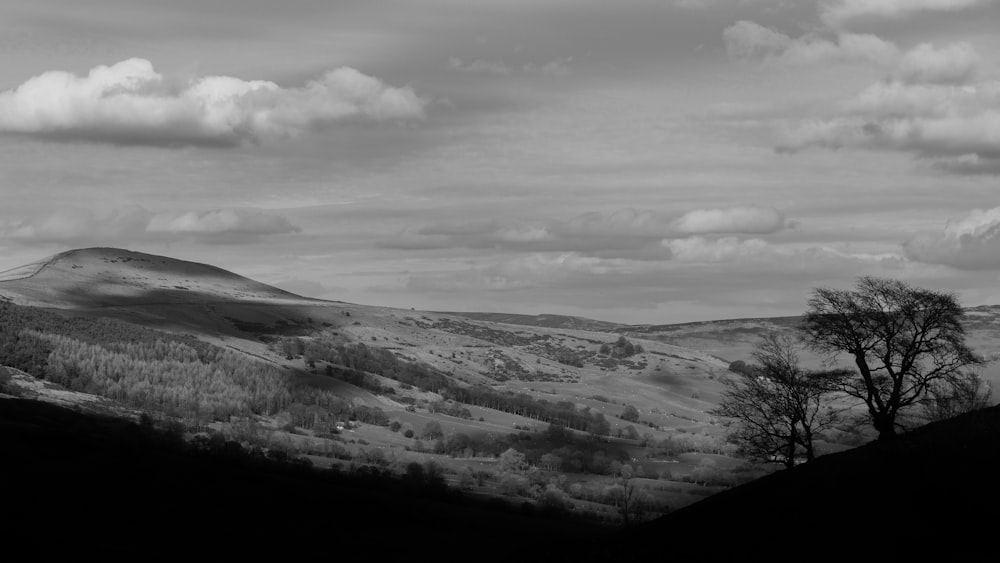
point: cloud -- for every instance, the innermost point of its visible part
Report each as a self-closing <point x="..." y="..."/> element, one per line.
<point x="626" y="222"/>
<point x="219" y="221"/>
<point x="932" y="121"/>
<point x="521" y="272"/>
<point x="747" y="220"/>
<point x="748" y="40"/>
<point x="725" y="263"/>
<point x="130" y="103"/>
<point x="969" y="243"/>
<point x="78" y="226"/>
<point x="624" y="233"/>
<point x="700" y="249"/>
<point x="841" y="12"/>
<point x="932" y="107"/>
<point x="694" y="4"/>
<point x="957" y="63"/>
<point x="478" y="66"/>
<point x="556" y="67"/>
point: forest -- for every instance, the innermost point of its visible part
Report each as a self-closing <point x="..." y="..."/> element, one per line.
<point x="149" y="369"/>
<point x="182" y="376"/>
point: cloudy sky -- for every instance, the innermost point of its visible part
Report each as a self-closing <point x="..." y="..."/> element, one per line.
<point x="642" y="161"/>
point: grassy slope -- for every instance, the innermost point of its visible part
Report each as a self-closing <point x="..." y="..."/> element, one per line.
<point x="232" y="311"/>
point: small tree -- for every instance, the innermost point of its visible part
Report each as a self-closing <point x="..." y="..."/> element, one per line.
<point x="630" y="414"/>
<point x="776" y="407"/>
<point x="626" y="495"/>
<point x="512" y="461"/>
<point x="432" y="430"/>
<point x="905" y="341"/>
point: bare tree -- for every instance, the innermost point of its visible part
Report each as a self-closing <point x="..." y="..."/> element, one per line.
<point x="628" y="496"/>
<point x="904" y="341"/>
<point x="777" y="408"/>
<point x="964" y="394"/>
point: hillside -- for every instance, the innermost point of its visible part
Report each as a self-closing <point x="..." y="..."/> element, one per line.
<point x="349" y="385"/>
<point x="238" y="313"/>
<point x="276" y="371"/>
<point x="548" y="321"/>
<point x="930" y="493"/>
<point x="103" y="277"/>
<point x="89" y="486"/>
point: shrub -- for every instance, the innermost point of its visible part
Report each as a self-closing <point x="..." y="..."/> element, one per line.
<point x="432" y="430"/>
<point x="630" y="414"/>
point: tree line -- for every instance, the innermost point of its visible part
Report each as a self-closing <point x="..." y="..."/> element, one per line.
<point x="148" y="369"/>
<point x="363" y="358"/>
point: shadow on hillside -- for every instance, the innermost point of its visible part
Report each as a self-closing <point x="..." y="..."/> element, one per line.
<point x="102" y="486"/>
<point x="931" y="492"/>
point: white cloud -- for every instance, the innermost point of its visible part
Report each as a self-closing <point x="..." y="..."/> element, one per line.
<point x="625" y="233"/>
<point x="969" y="243"/>
<point x="219" y="221"/>
<point x="841" y="12"/>
<point x="748" y="220"/>
<point x="701" y="249"/>
<point x="130" y="103"/>
<point x="521" y="272"/>
<point x="746" y="39"/>
<point x="957" y="63"/>
<point x="932" y="121"/>
<point x="749" y="40"/>
<point x="77" y="226"/>
<point x="933" y="107"/>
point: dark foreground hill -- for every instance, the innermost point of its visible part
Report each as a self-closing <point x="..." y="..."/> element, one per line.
<point x="99" y="486"/>
<point x="88" y="485"/>
<point x="933" y="492"/>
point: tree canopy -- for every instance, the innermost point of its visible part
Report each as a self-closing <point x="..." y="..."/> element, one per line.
<point x="776" y="407"/>
<point x="904" y="340"/>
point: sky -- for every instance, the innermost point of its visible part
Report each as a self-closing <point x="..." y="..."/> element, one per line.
<point x="637" y="161"/>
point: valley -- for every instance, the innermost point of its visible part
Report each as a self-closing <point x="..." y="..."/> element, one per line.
<point x="555" y="412"/>
<point x="354" y="385"/>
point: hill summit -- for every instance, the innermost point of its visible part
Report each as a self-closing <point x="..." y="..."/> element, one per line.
<point x="101" y="277"/>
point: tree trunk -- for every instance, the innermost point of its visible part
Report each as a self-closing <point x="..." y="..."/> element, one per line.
<point x="807" y="443"/>
<point x="886" y="426"/>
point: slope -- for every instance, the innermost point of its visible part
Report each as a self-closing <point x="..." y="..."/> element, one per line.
<point x="930" y="491"/>
<point x="671" y="386"/>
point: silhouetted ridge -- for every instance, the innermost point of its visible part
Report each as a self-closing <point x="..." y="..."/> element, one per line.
<point x="930" y="491"/>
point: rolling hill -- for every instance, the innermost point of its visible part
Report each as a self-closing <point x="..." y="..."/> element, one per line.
<point x="367" y="357"/>
<point x="230" y="310"/>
